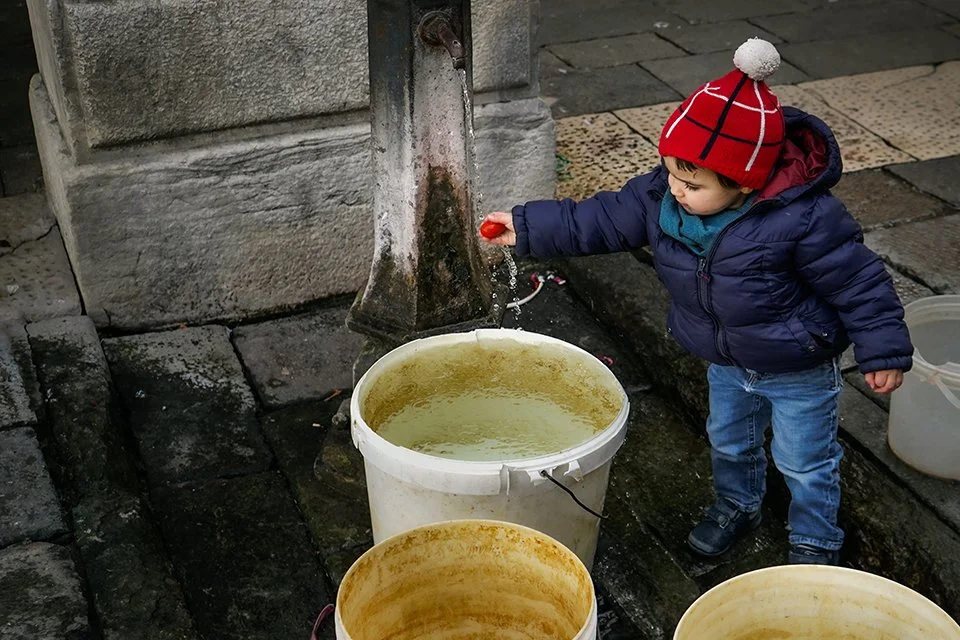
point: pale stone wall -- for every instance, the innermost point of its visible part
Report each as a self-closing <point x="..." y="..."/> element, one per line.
<point x="208" y="159"/>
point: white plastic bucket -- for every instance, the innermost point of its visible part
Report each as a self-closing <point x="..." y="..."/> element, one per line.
<point x="812" y="602"/>
<point x="924" y="425"/>
<point x="408" y="489"/>
<point x="467" y="579"/>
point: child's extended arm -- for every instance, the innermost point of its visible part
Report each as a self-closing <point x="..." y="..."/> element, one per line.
<point x="607" y="222"/>
<point x="833" y="260"/>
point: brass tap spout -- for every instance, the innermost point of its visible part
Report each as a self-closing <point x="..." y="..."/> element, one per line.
<point x="436" y="28"/>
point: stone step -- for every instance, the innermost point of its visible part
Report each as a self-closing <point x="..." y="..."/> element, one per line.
<point x="40" y="594"/>
<point x="29" y="506"/>
<point x="126" y="567"/>
<point x="244" y="557"/>
<point x="188" y="404"/>
<point x="899" y="523"/>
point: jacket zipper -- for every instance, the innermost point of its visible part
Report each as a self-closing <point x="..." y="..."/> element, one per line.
<point x="703" y="282"/>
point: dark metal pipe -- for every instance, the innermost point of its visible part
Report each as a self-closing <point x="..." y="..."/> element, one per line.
<point x="437" y="28"/>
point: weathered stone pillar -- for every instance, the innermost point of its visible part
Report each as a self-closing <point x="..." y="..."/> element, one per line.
<point x="210" y="159"/>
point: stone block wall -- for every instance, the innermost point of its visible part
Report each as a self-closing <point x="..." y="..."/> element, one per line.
<point x="208" y="159"/>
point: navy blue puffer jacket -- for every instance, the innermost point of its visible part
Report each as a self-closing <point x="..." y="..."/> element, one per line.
<point x="785" y="287"/>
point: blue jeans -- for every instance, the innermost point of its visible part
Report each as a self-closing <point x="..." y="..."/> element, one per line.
<point x="802" y="408"/>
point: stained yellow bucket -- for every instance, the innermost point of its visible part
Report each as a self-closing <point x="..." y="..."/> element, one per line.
<point x="807" y="602"/>
<point x="467" y="580"/>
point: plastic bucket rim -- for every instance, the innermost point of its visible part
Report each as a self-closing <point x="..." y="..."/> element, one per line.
<point x="595" y="443"/>
<point x="916" y="311"/>
<point x="903" y="589"/>
<point x="591" y="614"/>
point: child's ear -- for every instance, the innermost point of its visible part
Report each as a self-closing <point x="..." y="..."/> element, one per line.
<point x="746" y="190"/>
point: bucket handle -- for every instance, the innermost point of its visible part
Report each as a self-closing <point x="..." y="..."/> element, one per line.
<point x="545" y="474"/>
<point x="327" y="610"/>
<point x="949" y="395"/>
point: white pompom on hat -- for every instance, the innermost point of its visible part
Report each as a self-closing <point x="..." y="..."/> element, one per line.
<point x="757" y="58"/>
<point x="732" y="125"/>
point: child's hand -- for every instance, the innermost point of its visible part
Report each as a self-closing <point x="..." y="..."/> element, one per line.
<point x="507" y="237"/>
<point x="884" y="381"/>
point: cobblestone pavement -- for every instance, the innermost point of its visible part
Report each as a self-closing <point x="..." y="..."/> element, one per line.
<point x="201" y="482"/>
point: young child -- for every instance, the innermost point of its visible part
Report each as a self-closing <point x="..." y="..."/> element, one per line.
<point x="769" y="281"/>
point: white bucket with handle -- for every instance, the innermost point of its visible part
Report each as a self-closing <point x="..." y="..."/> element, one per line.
<point x="560" y="492"/>
<point x="924" y="426"/>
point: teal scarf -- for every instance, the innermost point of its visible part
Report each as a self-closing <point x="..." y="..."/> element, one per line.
<point x="697" y="232"/>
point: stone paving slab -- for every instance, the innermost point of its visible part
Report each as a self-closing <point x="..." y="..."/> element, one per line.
<point x="20" y="170"/>
<point x="872" y="52"/>
<point x="244" y="557"/>
<point x="299" y="358"/>
<point x="599" y="152"/>
<point x="40" y="594"/>
<point x="698" y="11"/>
<point x="708" y="38"/>
<point x="36" y="279"/>
<point x="841" y="20"/>
<point x="14" y="326"/>
<point x="24" y="218"/>
<point x="614" y="52"/>
<point x="859" y="148"/>
<point x="29" y="507"/>
<point x="927" y="251"/>
<point x="128" y="572"/>
<point x="76" y="386"/>
<point x="579" y="92"/>
<point x="868" y="424"/>
<point x="947" y="6"/>
<point x="188" y="404"/>
<point x="879" y="199"/>
<point x="936" y="177"/>
<point x="572" y="24"/>
<point x="914" y="108"/>
<point x="316" y="455"/>
<point x="551" y="65"/>
<point x="15" y="409"/>
<point x="889" y="532"/>
<point x="124" y="560"/>
<point x="685" y="75"/>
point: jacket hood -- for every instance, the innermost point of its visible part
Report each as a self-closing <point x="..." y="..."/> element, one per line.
<point x="809" y="161"/>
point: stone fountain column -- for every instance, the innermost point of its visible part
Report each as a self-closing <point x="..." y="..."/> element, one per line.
<point x="427" y="274"/>
<point x="210" y="160"/>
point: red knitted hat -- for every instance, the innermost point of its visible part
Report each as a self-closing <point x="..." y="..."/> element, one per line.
<point x="732" y="125"/>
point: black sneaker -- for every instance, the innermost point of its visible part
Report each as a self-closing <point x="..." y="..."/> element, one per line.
<point x="723" y="524"/>
<point x="808" y="554"/>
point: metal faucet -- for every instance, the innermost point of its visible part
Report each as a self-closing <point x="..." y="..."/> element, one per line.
<point x="437" y="28"/>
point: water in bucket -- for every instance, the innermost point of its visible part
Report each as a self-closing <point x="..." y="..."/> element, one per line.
<point x="495" y="423"/>
<point x="481" y="402"/>
<point x="924" y="427"/>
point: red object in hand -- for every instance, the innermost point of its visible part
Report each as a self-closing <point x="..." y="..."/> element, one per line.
<point x="490" y="229"/>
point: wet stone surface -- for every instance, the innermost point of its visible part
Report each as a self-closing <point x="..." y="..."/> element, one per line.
<point x="15" y="407"/>
<point x="299" y="358"/>
<point x="40" y="594"/>
<point x="124" y="561"/>
<point x="244" y="557"/>
<point x="325" y="471"/>
<point x="878" y="199"/>
<point x="188" y="404"/>
<point x="927" y="251"/>
<point x="29" y="507"/>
